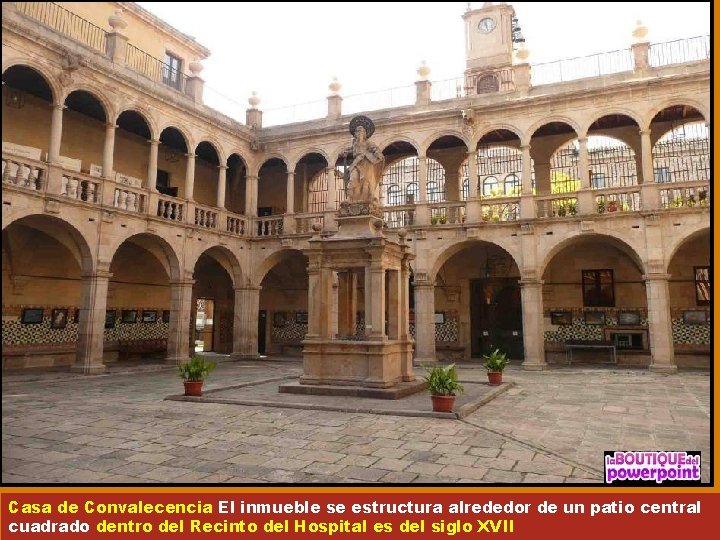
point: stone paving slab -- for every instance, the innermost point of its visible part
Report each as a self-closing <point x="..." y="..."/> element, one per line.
<point x="266" y="393"/>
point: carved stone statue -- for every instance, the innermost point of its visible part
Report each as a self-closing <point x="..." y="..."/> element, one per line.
<point x="366" y="167"/>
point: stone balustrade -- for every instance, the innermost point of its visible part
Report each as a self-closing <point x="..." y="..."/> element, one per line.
<point x="447" y="213"/>
<point x="80" y="187"/>
<point x="171" y="209"/>
<point x="685" y="194"/>
<point x="621" y="199"/>
<point x="559" y="205"/>
<point x="206" y="217"/>
<point x="269" y="226"/>
<point x="304" y="222"/>
<point x="132" y="200"/>
<point x="500" y="209"/>
<point x="236" y="224"/>
<point x="23" y="172"/>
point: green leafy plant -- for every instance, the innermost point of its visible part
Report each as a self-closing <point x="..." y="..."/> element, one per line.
<point x="601" y="207"/>
<point x="196" y="369"/>
<point x="433" y="220"/>
<point x="442" y="219"/>
<point x="572" y="208"/>
<point x="443" y="381"/>
<point x="496" y="361"/>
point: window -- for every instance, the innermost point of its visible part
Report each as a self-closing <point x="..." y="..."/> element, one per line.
<point x="434" y="192"/>
<point x="466" y="189"/>
<point x="172" y="71"/>
<point x="411" y="193"/>
<point x="598" y="287"/>
<point x="662" y="175"/>
<point x="490" y="185"/>
<point x="488" y="84"/>
<point x="394" y="194"/>
<point x="702" y="285"/>
<point x="597" y="180"/>
<point x="512" y="185"/>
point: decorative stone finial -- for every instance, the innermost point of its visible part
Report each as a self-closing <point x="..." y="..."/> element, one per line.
<point x="334" y="86"/>
<point x="254" y="100"/>
<point x="116" y="21"/>
<point x="522" y="53"/>
<point x="402" y="233"/>
<point x="640" y="33"/>
<point x="423" y="71"/>
<point x="195" y="68"/>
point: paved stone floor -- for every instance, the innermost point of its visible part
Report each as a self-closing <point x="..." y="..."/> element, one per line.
<point x="553" y="426"/>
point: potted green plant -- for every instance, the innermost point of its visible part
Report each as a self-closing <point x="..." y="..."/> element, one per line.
<point x="194" y="373"/>
<point x="433" y="220"/>
<point x="442" y="383"/>
<point x="495" y="363"/>
<point x="561" y="210"/>
<point x="601" y="207"/>
<point x="572" y="208"/>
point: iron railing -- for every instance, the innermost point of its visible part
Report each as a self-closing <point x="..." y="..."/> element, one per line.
<point x="401" y="96"/>
<point x="154" y="68"/>
<point x="571" y="69"/>
<point x="679" y="51"/>
<point x="60" y="19"/>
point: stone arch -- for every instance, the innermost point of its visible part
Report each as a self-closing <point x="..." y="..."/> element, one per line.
<point x="698" y="230"/>
<point x="384" y="143"/>
<point x="612" y="111"/>
<point x="46" y="74"/>
<point x="157" y="246"/>
<point x="677" y="102"/>
<point x="239" y="154"/>
<point x="428" y="141"/>
<point x="225" y="258"/>
<point x="305" y="153"/>
<point x="189" y="143"/>
<point x="549" y="120"/>
<point x="267" y="157"/>
<point x="614" y="240"/>
<point x="495" y="127"/>
<point x="459" y="246"/>
<point x="65" y="232"/>
<point x="222" y="158"/>
<point x="267" y="264"/>
<point x="96" y="93"/>
<point x="142" y="112"/>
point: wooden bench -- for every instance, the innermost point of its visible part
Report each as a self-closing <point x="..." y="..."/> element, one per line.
<point x="128" y="347"/>
<point x="583" y="344"/>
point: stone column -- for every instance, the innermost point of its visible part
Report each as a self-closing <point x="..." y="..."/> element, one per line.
<point x="245" y="323"/>
<point x="347" y="303"/>
<point x="649" y="193"/>
<point x="91" y="326"/>
<point x="422" y="214"/>
<point x="190" y="176"/>
<point x="290" y="193"/>
<point x="55" y="133"/>
<point x="528" y="209"/>
<point x="660" y="323"/>
<point x="394" y="307"/>
<point x="533" y="324"/>
<point x="586" y="203"/>
<point x="152" y="165"/>
<point x="180" y="319"/>
<point x="404" y="320"/>
<point x="424" y="321"/>
<point x="251" y="193"/>
<point x="472" y="175"/>
<point x="222" y="172"/>
<point x="108" y="150"/>
<point x="375" y="300"/>
<point x="332" y="202"/>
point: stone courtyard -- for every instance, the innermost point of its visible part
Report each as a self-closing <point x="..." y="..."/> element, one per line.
<point x="550" y="427"/>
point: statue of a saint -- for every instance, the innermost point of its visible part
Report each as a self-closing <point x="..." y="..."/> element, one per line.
<point x="366" y="167"/>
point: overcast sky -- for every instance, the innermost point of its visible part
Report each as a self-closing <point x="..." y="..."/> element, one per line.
<point x="289" y="52"/>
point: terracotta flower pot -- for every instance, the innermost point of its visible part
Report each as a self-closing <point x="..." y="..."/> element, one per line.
<point x="495" y="377"/>
<point x="193" y="388"/>
<point x="443" y="403"/>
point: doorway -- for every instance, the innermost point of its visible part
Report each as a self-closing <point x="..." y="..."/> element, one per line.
<point x="496" y="317"/>
<point x="204" y="323"/>
<point x="262" y="325"/>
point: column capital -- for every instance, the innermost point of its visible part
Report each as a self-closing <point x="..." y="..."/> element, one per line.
<point x="659" y="276"/>
<point x="98" y="274"/>
<point x="58" y="106"/>
<point x="251" y="177"/>
<point x="422" y="157"/>
<point x="644" y="132"/>
<point x="583" y="139"/>
<point x="291" y="173"/>
<point x="190" y="155"/>
<point x="423" y="284"/>
<point x="222" y="167"/>
<point x="182" y="282"/>
<point x="247" y="288"/>
<point x="154" y="142"/>
<point x="525" y="147"/>
<point x="530" y="282"/>
<point x="110" y="125"/>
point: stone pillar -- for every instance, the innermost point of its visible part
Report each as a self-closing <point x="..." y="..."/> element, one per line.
<point x="660" y="323"/>
<point x="91" y="326"/>
<point x="222" y="172"/>
<point x="640" y="52"/>
<point x="180" y="320"/>
<point x="404" y="320"/>
<point x="394" y="308"/>
<point x="586" y="203"/>
<point x="424" y="321"/>
<point x="116" y="42"/>
<point x="347" y="303"/>
<point x="533" y="324"/>
<point x="423" y="92"/>
<point x="290" y="193"/>
<point x="55" y="133"/>
<point x="152" y="165"/>
<point x="334" y="107"/>
<point x="649" y="194"/>
<point x="522" y="78"/>
<point x="542" y="178"/>
<point x="472" y="175"/>
<point x="422" y="214"/>
<point x="528" y="209"/>
<point x="376" y="290"/>
<point x="189" y="176"/>
<point x="251" y="193"/>
<point x="108" y="150"/>
<point x="245" y="323"/>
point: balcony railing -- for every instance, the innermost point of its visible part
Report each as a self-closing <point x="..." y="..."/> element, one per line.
<point x="679" y="51"/>
<point x="61" y="20"/>
<point x="582" y="67"/>
<point x="154" y="69"/>
<point x="80" y="187"/>
<point x="23" y="173"/>
<point x="305" y="222"/>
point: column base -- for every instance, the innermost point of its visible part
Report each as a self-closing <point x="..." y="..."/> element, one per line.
<point x="534" y="366"/>
<point x="176" y="361"/>
<point x="670" y="370"/>
<point x="424" y="360"/>
<point x="92" y="369"/>
<point x="244" y="356"/>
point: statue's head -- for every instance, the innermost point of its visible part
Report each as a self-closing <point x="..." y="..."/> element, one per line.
<point x="360" y="133"/>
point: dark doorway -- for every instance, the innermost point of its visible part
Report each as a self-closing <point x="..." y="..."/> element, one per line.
<point x="496" y="317"/>
<point x="262" y="325"/>
<point x="204" y="324"/>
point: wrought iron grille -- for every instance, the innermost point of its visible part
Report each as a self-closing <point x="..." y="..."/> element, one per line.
<point x="679" y="51"/>
<point x="60" y="19"/>
<point x="318" y="189"/>
<point x="564" y="172"/>
<point x="154" y="68"/>
<point x="683" y="155"/>
<point x="499" y="172"/>
<point x="400" y="174"/>
<point x="612" y="163"/>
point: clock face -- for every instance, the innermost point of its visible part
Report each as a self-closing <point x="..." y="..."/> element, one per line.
<point x="486" y="25"/>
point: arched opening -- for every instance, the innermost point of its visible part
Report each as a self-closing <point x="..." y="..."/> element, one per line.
<point x="272" y="188"/>
<point x="594" y="292"/>
<point x="283" y="320"/>
<point x="213" y="302"/>
<point x="315" y="190"/>
<point x="236" y="179"/>
<point x="690" y="287"/>
<point x="477" y="303"/>
<point x="44" y="259"/>
<point x="172" y="162"/>
<point x="207" y="161"/>
<point x="555" y="153"/>
<point x="132" y="152"/>
<point x="681" y="156"/>
<point x="83" y="134"/>
<point x="400" y="183"/>
<point x="26" y="118"/>
<point x="138" y="312"/>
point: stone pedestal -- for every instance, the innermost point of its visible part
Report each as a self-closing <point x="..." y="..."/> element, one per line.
<point x="381" y="357"/>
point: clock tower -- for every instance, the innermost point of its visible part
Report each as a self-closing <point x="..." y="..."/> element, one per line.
<point x="488" y="43"/>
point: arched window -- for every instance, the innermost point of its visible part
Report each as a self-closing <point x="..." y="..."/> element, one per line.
<point x="412" y="192"/>
<point x="434" y="193"/>
<point x="490" y="186"/>
<point x="465" y="188"/>
<point x="512" y="185"/>
<point x="487" y="84"/>
<point x="394" y="195"/>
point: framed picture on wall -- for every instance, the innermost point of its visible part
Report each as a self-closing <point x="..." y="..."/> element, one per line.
<point x="110" y="318"/>
<point x="128" y="316"/>
<point x="32" y="316"/>
<point x="149" y="316"/>
<point x="595" y="317"/>
<point x="166" y="316"/>
<point x="695" y="316"/>
<point x="58" y="318"/>
<point x="301" y="317"/>
<point x="561" y="318"/>
<point x="628" y="318"/>
<point x="439" y="318"/>
<point x="280" y="319"/>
